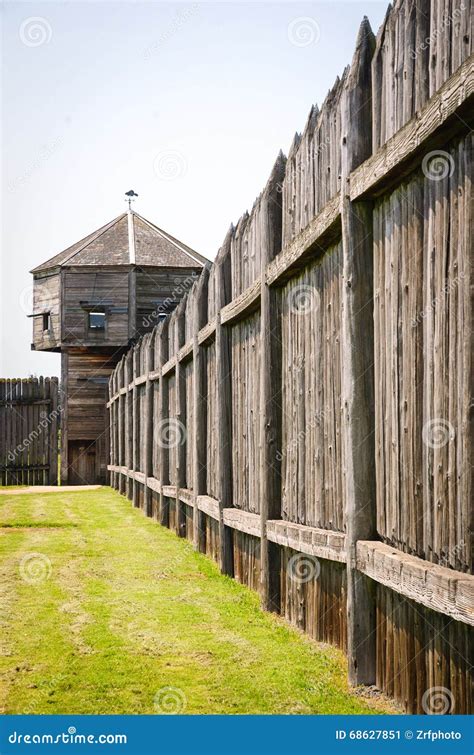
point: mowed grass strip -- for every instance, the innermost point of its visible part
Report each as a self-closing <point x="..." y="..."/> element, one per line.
<point x="104" y="611"/>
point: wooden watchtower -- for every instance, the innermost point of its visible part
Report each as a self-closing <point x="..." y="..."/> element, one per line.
<point x="90" y="303"/>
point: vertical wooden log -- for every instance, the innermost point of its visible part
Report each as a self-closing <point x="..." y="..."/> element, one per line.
<point x="3" y="448"/>
<point x="123" y="426"/>
<point x="113" y="447"/>
<point x="126" y="410"/>
<point x="200" y="315"/>
<point x="163" y="412"/>
<point x="270" y="389"/>
<point x="135" y="420"/>
<point x="180" y="433"/>
<point x="148" y="422"/>
<point x="224" y="402"/>
<point x="132" y="305"/>
<point x="53" y="433"/>
<point x="357" y="377"/>
<point x="64" y="424"/>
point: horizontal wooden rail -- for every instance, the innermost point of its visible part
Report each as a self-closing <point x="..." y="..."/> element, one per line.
<point x="316" y="236"/>
<point x="207" y="332"/>
<point x="456" y="94"/>
<point x="153" y="484"/>
<point x="436" y="587"/>
<point x="169" y="366"/>
<point x="248" y="301"/>
<point x="169" y="491"/>
<point x="186" y="496"/>
<point x="313" y="541"/>
<point x="243" y="521"/>
<point x="185" y="351"/>
<point x="209" y="506"/>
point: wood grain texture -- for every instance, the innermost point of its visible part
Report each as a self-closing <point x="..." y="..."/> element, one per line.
<point x="307" y="361"/>
<point x="437" y="587"/>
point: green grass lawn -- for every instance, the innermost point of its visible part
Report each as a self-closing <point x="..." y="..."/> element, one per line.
<point x="104" y="611"/>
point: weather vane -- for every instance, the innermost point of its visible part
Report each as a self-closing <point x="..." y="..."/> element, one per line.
<point x="131" y="197"/>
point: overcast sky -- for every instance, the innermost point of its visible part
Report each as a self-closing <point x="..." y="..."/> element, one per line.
<point x="187" y="103"/>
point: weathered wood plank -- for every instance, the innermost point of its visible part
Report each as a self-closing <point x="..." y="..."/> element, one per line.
<point x="270" y="388"/>
<point x="310" y="540"/>
<point x="357" y="377"/>
<point x="209" y="506"/>
<point x="207" y="332"/>
<point x="247" y="302"/>
<point x="243" y="521"/>
<point x="437" y="587"/>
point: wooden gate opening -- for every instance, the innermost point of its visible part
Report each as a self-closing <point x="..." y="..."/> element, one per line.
<point x="82" y="462"/>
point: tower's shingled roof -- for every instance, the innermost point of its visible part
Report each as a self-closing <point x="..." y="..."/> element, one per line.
<point x="128" y="239"/>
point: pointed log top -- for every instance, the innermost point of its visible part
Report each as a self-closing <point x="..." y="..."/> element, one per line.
<point x="363" y="53"/>
<point x="294" y="144"/>
<point x="277" y="175"/>
<point x="365" y="36"/>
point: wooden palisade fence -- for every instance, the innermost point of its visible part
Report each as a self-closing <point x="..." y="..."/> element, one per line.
<point x="303" y="415"/>
<point x="29" y="422"/>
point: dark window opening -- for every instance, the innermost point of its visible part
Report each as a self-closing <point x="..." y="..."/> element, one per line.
<point x="46" y="322"/>
<point x="96" y="320"/>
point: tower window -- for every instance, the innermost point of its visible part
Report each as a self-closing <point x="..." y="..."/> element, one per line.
<point x="46" y="322"/>
<point x="96" y="320"/>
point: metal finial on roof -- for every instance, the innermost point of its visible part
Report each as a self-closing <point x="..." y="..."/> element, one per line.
<point x="131" y="197"/>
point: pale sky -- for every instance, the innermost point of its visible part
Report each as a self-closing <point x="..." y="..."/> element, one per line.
<point x="186" y="103"/>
